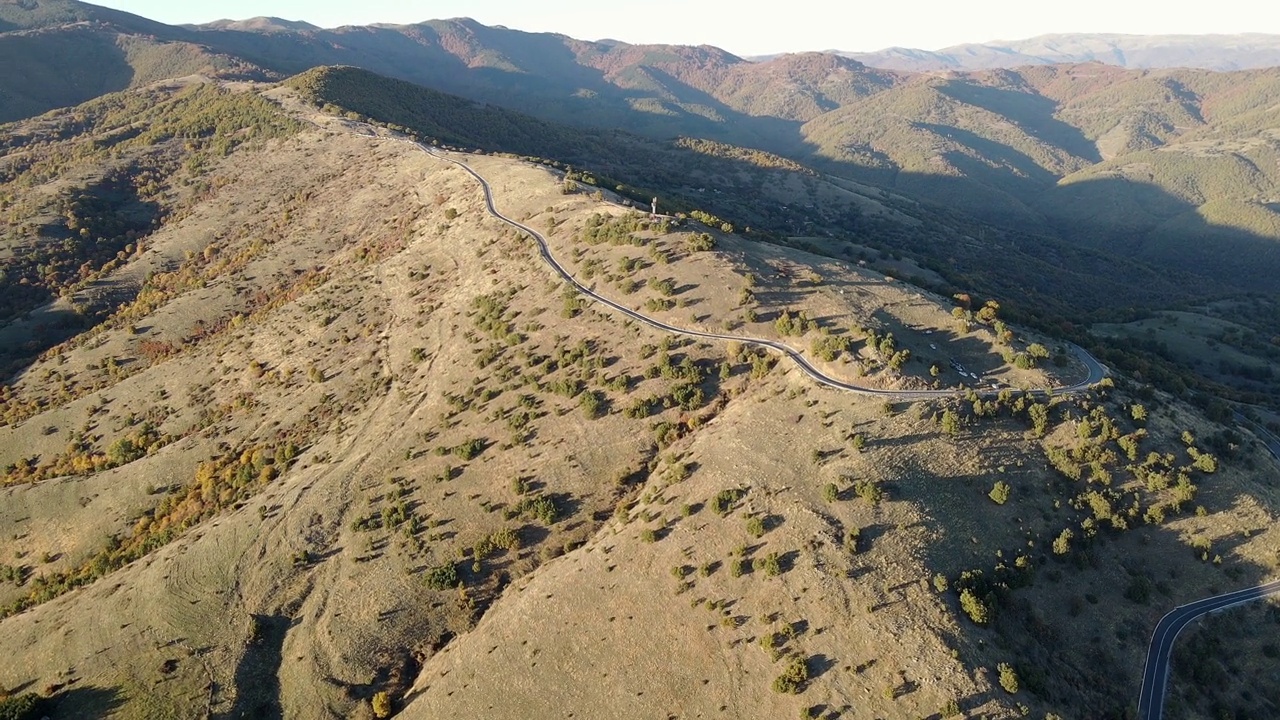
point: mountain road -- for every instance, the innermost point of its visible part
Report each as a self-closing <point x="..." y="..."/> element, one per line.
<point x="1096" y="371"/>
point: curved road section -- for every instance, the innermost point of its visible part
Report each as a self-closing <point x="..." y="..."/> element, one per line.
<point x="1096" y="370"/>
<point x="1267" y="437"/>
<point x="1155" y="675"/>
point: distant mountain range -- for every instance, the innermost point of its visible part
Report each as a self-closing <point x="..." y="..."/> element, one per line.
<point x="1177" y="167"/>
<point x="1209" y="52"/>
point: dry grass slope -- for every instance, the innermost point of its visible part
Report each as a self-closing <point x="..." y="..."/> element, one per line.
<point x="364" y="442"/>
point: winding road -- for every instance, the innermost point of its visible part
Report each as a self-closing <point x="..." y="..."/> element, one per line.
<point x="1155" y="675"/>
<point x="1156" y="669"/>
<point x="1267" y="437"/>
<point x="1096" y="370"/>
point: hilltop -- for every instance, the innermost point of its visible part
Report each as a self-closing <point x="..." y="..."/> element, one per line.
<point x="1179" y="158"/>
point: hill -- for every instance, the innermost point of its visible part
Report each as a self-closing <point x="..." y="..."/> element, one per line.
<point x="1007" y="146"/>
<point x="59" y="53"/>
<point x="1209" y="52"/>
<point x="337" y="406"/>
<point x="1022" y="149"/>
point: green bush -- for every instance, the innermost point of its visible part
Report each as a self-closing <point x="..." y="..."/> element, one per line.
<point x="830" y="492"/>
<point x="1008" y="678"/>
<point x="771" y="564"/>
<point x="27" y="706"/>
<point x="724" y="500"/>
<point x="1000" y="492"/>
<point x="975" y="607"/>
<point x="793" y="677"/>
<point x="869" y="490"/>
<point x="441" y="577"/>
<point x="592" y="403"/>
<point x="469" y="449"/>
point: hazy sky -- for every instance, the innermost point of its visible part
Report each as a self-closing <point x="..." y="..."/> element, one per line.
<point x="739" y="28"/>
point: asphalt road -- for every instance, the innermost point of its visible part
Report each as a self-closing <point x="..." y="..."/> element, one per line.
<point x="1156" y="672"/>
<point x="1155" y="675"/>
<point x="1267" y="437"/>
<point x="1096" y="369"/>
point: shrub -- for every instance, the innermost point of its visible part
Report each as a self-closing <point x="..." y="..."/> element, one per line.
<point x="1000" y="492"/>
<point x="852" y="540"/>
<point x="724" y="500"/>
<point x="755" y="526"/>
<point x="592" y="403"/>
<point x="441" y="577"/>
<point x="26" y="706"/>
<point x="1062" y="543"/>
<point x="869" y="490"/>
<point x="469" y="449"/>
<point x="701" y="242"/>
<point x="541" y="507"/>
<point x="793" y="677"/>
<point x="771" y="565"/>
<point x="381" y="700"/>
<point x="830" y="492"/>
<point x="975" y="607"/>
<point x="950" y="422"/>
<point x="505" y="538"/>
<point x="1039" y="415"/>
<point x="1008" y="678"/>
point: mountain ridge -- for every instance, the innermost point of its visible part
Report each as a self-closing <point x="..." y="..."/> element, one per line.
<point x="1210" y="52"/>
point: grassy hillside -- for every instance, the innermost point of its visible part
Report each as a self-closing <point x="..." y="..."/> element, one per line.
<point x="39" y="14"/>
<point x="1039" y="278"/>
<point x="363" y="425"/>
<point x="83" y="190"/>
<point x="1004" y="146"/>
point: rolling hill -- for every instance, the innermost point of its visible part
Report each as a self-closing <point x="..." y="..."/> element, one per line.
<point x="1020" y="148"/>
<point x="324" y="398"/>
<point x="1024" y="149"/>
<point x="293" y="425"/>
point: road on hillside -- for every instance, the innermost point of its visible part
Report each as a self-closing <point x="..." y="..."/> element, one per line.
<point x="1155" y="675"/>
<point x="1267" y="437"/>
<point x="1096" y="370"/>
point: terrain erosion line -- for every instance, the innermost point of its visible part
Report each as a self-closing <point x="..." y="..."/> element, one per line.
<point x="1096" y="370"/>
<point x="1155" y="673"/>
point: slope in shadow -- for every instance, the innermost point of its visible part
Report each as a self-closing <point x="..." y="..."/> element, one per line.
<point x="257" y="681"/>
<point x="84" y="703"/>
<point x="1034" y="115"/>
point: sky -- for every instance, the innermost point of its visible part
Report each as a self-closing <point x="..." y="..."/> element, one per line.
<point x="795" y="25"/>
